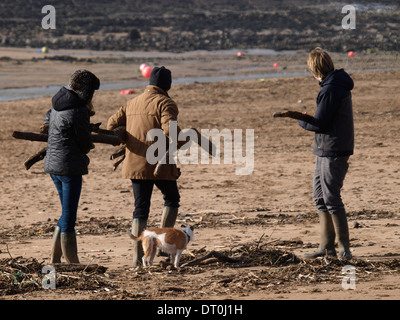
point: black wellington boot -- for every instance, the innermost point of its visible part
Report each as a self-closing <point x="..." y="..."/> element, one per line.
<point x="168" y="219"/>
<point x="138" y="226"/>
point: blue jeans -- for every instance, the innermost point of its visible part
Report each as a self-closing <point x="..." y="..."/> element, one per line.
<point x="69" y="189"/>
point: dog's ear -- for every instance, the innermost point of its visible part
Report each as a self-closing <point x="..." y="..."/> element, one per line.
<point x="183" y="226"/>
<point x="191" y="228"/>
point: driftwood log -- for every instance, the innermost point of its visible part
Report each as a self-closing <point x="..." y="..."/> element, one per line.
<point x="112" y="137"/>
<point x="74" y="267"/>
<point x="117" y="163"/>
<point x="35" y="158"/>
<point x="203" y="142"/>
<point x="96" y="138"/>
<point x="294" y="115"/>
<point x="213" y="254"/>
<point x="120" y="152"/>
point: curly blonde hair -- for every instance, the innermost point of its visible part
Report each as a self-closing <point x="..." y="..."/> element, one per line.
<point x="320" y="62"/>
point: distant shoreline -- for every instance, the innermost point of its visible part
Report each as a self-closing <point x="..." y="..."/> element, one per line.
<point x="39" y="92"/>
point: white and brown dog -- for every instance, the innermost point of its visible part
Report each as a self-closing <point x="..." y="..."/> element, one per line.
<point x="169" y="240"/>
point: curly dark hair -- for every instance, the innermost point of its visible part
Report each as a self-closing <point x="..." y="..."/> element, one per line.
<point x="84" y="83"/>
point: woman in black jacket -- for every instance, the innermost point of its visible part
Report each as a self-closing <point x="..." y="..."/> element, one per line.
<point x="69" y="141"/>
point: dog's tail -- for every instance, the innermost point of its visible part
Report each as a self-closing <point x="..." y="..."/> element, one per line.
<point x="132" y="236"/>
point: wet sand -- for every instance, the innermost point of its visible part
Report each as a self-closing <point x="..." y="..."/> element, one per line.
<point x="252" y="215"/>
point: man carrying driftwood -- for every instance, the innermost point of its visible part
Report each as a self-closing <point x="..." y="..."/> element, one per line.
<point x="153" y="109"/>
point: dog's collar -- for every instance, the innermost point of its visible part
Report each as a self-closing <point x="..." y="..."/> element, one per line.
<point x="187" y="235"/>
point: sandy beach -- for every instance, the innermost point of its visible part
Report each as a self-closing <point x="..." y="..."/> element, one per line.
<point x="266" y="218"/>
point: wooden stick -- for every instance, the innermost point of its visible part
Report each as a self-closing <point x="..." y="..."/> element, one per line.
<point x="116" y="164"/>
<point x="294" y="115"/>
<point x="212" y="254"/>
<point x="159" y="166"/>
<point x="96" y="138"/>
<point x="73" y="267"/>
<point x="177" y="289"/>
<point x="8" y="251"/>
<point x="203" y="142"/>
<point x="120" y="152"/>
<point x="104" y="131"/>
<point x="35" y="158"/>
<point x="107" y="139"/>
<point x="30" y="136"/>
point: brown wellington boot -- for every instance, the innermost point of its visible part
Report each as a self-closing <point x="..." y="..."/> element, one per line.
<point x="327" y="237"/>
<point x="69" y="247"/>
<point x="138" y="226"/>
<point x="342" y="232"/>
<point x="56" y="251"/>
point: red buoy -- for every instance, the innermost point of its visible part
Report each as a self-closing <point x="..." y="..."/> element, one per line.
<point x="127" y="92"/>
<point x="146" y="72"/>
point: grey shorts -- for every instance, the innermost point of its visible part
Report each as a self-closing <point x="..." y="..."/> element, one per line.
<point x="329" y="175"/>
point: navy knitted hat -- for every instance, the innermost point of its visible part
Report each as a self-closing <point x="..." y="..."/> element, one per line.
<point x="161" y="77"/>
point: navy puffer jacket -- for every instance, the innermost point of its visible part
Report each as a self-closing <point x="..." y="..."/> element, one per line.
<point x="69" y="137"/>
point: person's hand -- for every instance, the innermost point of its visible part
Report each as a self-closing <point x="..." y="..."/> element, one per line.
<point x="121" y="133"/>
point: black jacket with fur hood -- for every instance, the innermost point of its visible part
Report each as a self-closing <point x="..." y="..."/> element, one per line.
<point x="69" y="137"/>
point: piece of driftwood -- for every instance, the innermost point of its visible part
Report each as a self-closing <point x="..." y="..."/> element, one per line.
<point x="120" y="132"/>
<point x="35" y="158"/>
<point x="95" y="127"/>
<point x="212" y="254"/>
<point x="30" y="136"/>
<point x="107" y="139"/>
<point x="205" y="143"/>
<point x="120" y="152"/>
<point x="96" y="138"/>
<point x="74" y="267"/>
<point x="294" y="115"/>
<point x="113" y="137"/>
<point x="176" y="289"/>
<point x="160" y="164"/>
<point x="117" y="163"/>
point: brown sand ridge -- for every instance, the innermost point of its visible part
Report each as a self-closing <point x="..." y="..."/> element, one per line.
<point x="265" y="220"/>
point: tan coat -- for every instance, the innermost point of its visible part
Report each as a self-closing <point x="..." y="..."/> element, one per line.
<point x="152" y="109"/>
